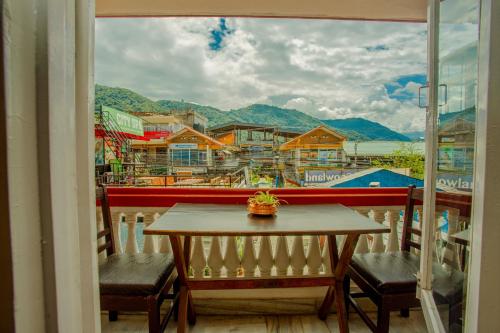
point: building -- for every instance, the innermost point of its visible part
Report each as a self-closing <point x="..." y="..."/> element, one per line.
<point x="161" y="125"/>
<point x="189" y="151"/>
<point x="256" y="142"/>
<point x="191" y="119"/>
<point x="375" y="177"/>
<point x="320" y="148"/>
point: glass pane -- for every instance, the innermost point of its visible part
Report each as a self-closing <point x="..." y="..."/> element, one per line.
<point x="458" y="39"/>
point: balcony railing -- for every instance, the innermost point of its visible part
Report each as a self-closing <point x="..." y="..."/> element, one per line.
<point x="221" y="257"/>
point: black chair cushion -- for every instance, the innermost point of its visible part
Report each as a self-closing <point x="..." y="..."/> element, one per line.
<point x="135" y="274"/>
<point x="395" y="272"/>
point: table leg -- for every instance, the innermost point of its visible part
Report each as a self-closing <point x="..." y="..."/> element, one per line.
<point x="186" y="309"/>
<point x="187" y="255"/>
<point x="183" y="310"/>
<point x="339" y="268"/>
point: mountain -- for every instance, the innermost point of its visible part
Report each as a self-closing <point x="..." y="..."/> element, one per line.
<point x="124" y="99"/>
<point x="367" y="128"/>
<point x="352" y="128"/>
<point x="468" y="114"/>
<point x="267" y="114"/>
<point x="214" y="115"/>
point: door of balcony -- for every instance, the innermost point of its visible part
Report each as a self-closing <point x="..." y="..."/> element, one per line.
<point x="450" y="146"/>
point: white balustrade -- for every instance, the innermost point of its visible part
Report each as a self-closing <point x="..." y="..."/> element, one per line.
<point x="231" y="258"/>
<point x="264" y="256"/>
<point x="362" y="246"/>
<point x="249" y="259"/>
<point x="378" y="239"/>
<point x="116" y="218"/>
<point x="131" y="246"/>
<point x="198" y="261"/>
<point x="393" y="240"/>
<point x="298" y="258"/>
<point x="215" y="260"/>
<point x="282" y="256"/>
<point x="314" y="256"/>
<point x="327" y="262"/>
<point x="149" y="240"/>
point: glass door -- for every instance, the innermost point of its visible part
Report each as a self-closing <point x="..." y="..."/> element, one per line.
<point x="451" y="130"/>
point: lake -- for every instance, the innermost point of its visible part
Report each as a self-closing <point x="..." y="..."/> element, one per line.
<point x="380" y="147"/>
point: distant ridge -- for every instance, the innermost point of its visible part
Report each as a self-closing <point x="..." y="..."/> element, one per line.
<point x="369" y="129"/>
<point x="353" y="128"/>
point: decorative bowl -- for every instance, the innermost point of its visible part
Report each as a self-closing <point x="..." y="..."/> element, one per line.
<point x="264" y="210"/>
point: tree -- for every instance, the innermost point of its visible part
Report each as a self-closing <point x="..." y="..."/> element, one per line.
<point x="404" y="157"/>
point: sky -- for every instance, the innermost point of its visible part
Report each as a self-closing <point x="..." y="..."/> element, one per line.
<point x="326" y="68"/>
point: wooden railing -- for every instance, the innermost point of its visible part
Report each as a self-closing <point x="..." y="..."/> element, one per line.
<point x="220" y="257"/>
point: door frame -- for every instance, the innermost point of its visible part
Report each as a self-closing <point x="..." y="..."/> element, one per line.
<point x="483" y="290"/>
<point x="424" y="277"/>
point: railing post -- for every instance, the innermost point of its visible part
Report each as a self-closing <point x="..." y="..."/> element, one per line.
<point x="393" y="241"/>
<point x="362" y="246"/>
<point x="149" y="240"/>
<point x="314" y="256"/>
<point x="131" y="246"/>
<point x="215" y="261"/>
<point x="326" y="257"/>
<point x="249" y="260"/>
<point x="378" y="216"/>
<point x="282" y="257"/>
<point x="265" y="256"/>
<point x="198" y="261"/>
<point x="231" y="259"/>
<point x="116" y="221"/>
<point x="298" y="258"/>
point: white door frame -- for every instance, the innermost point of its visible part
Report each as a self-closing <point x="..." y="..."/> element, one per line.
<point x="483" y="289"/>
<point x="48" y="49"/>
<point x="424" y="289"/>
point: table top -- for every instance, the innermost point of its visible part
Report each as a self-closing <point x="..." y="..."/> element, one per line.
<point x="233" y="220"/>
<point x="462" y="237"/>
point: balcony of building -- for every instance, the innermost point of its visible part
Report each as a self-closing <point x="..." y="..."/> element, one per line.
<point x="267" y="310"/>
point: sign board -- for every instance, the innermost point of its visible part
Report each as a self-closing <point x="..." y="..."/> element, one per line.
<point x="323" y="176"/>
<point x="125" y="122"/>
<point x="183" y="146"/>
<point x="455" y="180"/>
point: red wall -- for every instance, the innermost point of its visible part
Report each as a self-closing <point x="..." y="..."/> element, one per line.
<point x="167" y="197"/>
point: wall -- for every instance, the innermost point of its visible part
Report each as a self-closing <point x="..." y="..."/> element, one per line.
<point x="398" y="10"/>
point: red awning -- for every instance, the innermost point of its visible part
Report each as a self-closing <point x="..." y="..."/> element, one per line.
<point x="100" y="133"/>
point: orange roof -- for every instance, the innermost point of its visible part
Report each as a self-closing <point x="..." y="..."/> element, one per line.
<point x="195" y="132"/>
<point x="321" y="127"/>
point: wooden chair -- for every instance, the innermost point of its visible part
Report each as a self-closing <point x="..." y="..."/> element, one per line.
<point x="389" y="279"/>
<point x="134" y="282"/>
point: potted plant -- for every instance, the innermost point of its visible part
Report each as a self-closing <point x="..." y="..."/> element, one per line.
<point x="263" y="203"/>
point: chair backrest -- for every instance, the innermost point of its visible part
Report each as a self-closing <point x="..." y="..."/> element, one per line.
<point x="107" y="232"/>
<point x="462" y="202"/>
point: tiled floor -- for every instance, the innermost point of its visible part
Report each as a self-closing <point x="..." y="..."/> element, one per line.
<point x="266" y="324"/>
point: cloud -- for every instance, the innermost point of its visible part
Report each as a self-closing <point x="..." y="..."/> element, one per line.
<point x="325" y="68"/>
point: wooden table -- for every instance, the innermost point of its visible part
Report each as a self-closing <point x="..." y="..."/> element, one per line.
<point x="232" y="220"/>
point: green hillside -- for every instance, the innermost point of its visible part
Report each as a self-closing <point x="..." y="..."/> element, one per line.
<point x="352" y="128"/>
<point x="124" y="99"/>
<point x="267" y="114"/>
<point x="214" y="116"/>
